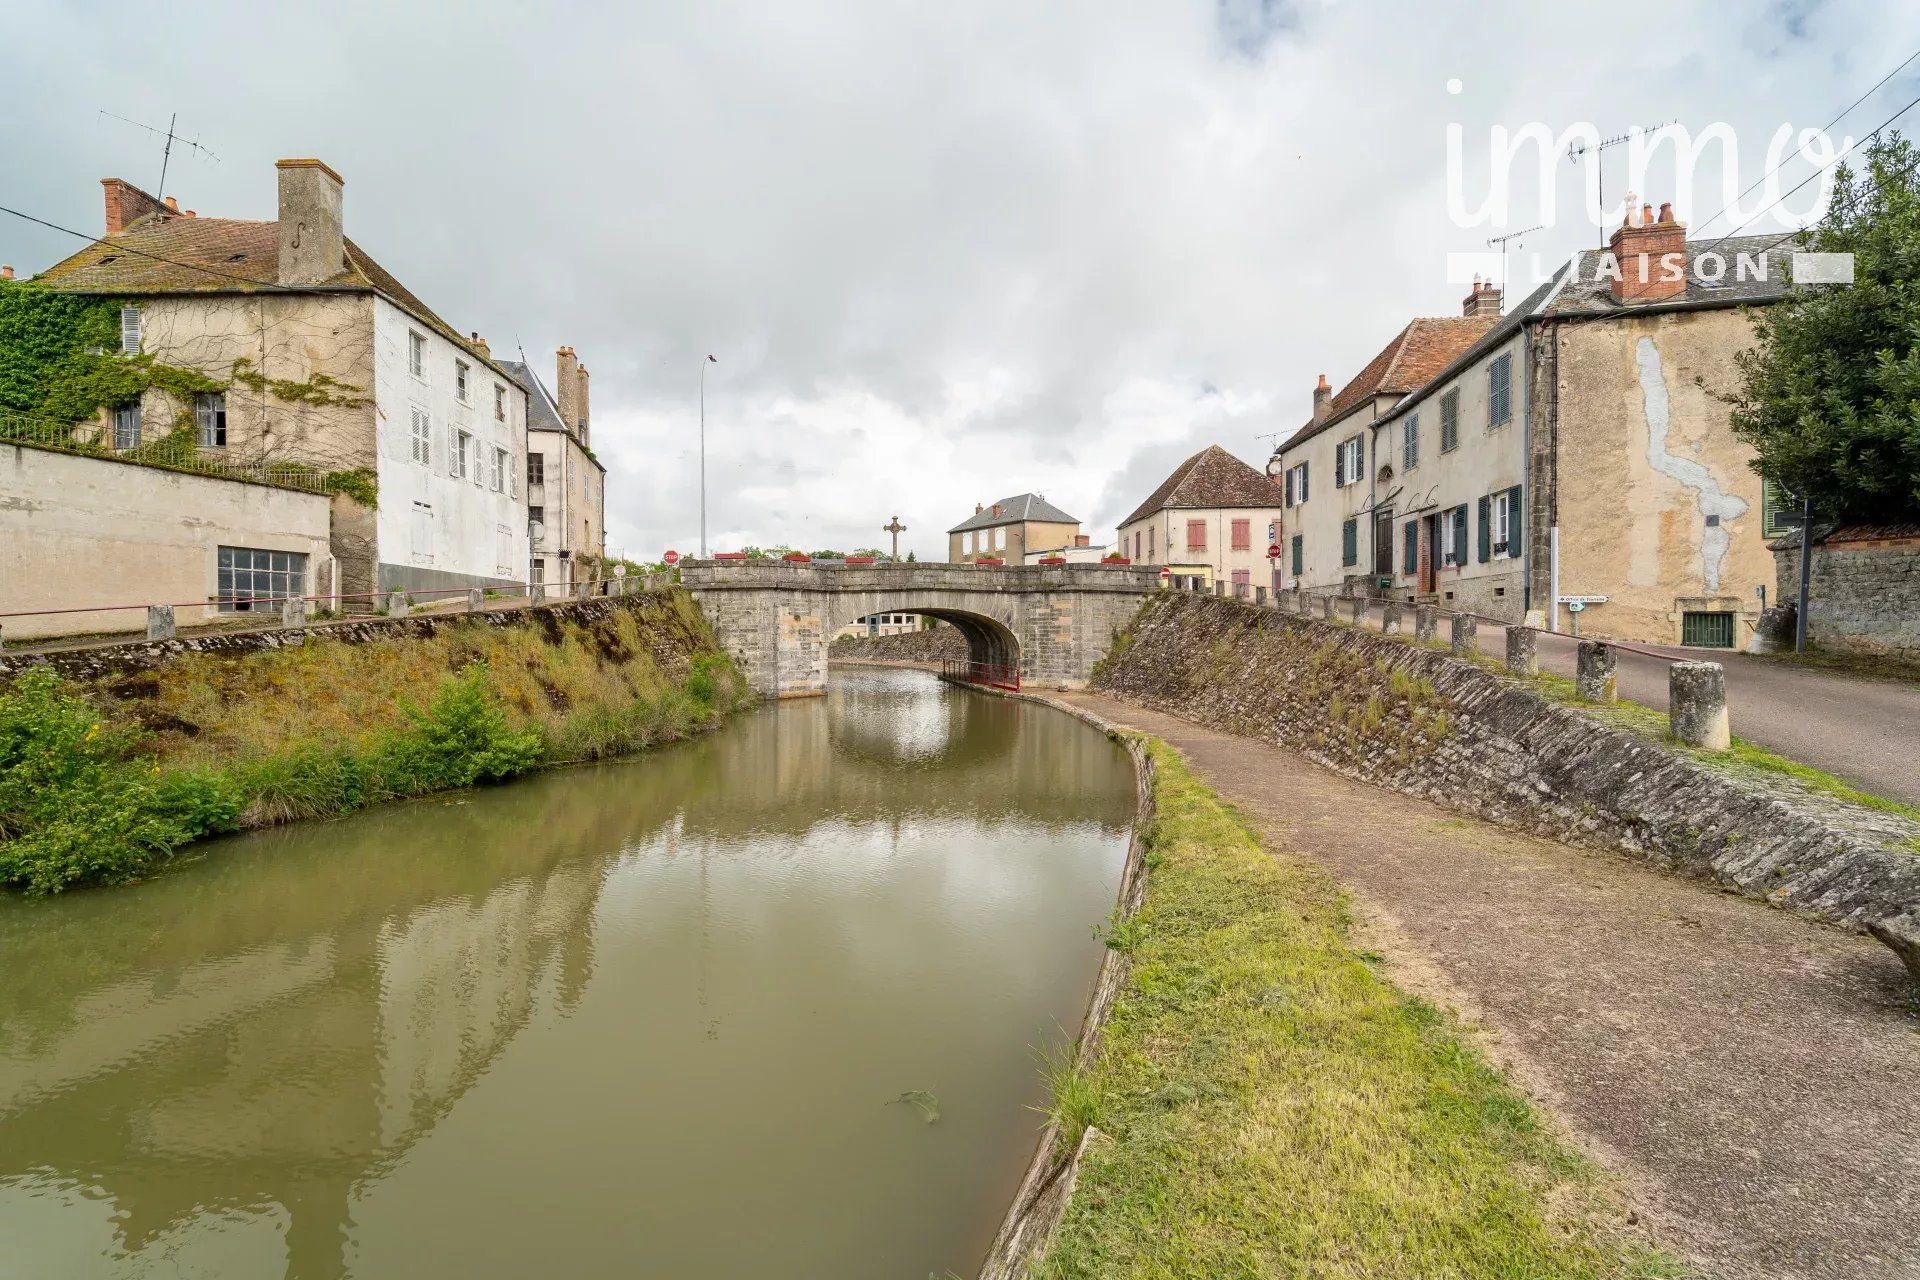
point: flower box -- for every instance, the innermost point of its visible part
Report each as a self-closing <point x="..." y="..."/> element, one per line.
<point x="1052" y="560"/>
<point x="852" y="560"/>
<point x="796" y="557"/>
<point x="1115" y="560"/>
<point x="729" y="555"/>
<point x="989" y="560"/>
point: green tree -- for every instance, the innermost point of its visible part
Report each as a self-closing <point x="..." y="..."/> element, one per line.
<point x="1830" y="397"/>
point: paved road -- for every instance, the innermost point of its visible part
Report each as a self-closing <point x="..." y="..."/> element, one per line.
<point x="1865" y="731"/>
<point x="1749" y="1073"/>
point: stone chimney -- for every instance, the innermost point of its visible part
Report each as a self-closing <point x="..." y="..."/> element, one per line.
<point x="173" y="205"/>
<point x="586" y="409"/>
<point x="312" y="248"/>
<point x="996" y="510"/>
<point x="126" y="204"/>
<point x="1649" y="255"/>
<point x="1322" y="400"/>
<point x="566" y="385"/>
<point x="1485" y="300"/>
<point x="977" y="508"/>
<point x="479" y="344"/>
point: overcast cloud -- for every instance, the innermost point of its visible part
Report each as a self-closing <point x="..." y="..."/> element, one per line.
<point x="943" y="253"/>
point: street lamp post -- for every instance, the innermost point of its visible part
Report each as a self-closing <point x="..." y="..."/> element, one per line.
<point x="703" y="454"/>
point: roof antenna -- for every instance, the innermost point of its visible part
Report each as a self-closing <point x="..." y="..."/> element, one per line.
<point x="1577" y="151"/>
<point x="1500" y="243"/>
<point x="166" y="154"/>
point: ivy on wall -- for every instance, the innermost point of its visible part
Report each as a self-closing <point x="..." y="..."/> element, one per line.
<point x="318" y="390"/>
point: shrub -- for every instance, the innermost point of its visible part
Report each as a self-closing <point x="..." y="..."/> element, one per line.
<point x="462" y="739"/>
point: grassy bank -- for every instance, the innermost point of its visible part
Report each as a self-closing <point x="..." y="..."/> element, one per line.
<point x="1277" y="1108"/>
<point x="103" y="783"/>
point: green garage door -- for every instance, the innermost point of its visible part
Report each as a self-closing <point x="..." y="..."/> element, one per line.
<point x="1707" y="630"/>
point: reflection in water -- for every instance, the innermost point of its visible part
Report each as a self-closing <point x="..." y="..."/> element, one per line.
<point x="643" y="1018"/>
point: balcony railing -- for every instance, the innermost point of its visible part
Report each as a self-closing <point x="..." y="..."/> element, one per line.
<point x="994" y="675"/>
<point x="168" y="452"/>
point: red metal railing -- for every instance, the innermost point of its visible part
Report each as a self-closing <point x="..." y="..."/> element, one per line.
<point x="995" y="675"/>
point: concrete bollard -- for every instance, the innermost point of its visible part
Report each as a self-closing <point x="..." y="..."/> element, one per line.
<point x="1302" y="602"/>
<point x="1425" y="624"/>
<point x="1260" y="597"/>
<point x="397" y="606"/>
<point x="1360" y="606"/>
<point x="293" y="612"/>
<point x="1461" y="636"/>
<point x="1326" y="607"/>
<point x="1219" y="587"/>
<point x="160" y="622"/>
<point x="1390" y="619"/>
<point x="474" y="597"/>
<point x="1697" y="704"/>
<point x="1594" y="672"/>
<point x="1523" y="653"/>
<point x="536" y="593"/>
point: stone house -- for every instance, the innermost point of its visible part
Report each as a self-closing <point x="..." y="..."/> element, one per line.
<point x="323" y="358"/>
<point x="1004" y="530"/>
<point x="566" y="485"/>
<point x="1332" y="535"/>
<point x="1864" y="587"/>
<point x="1214" y="517"/>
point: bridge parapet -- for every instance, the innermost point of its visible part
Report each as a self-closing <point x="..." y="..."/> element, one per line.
<point x="1054" y="621"/>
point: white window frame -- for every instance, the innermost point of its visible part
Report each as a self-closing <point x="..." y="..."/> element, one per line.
<point x="1501" y="509"/>
<point x="1449" y="538"/>
<point x="498" y="479"/>
<point x="210" y="419"/>
<point x="1297" y="484"/>
<point x="462" y="381"/>
<point x="417" y="354"/>
<point x="1349" y="460"/>
<point x="462" y="442"/>
<point x="128" y="427"/>
<point x="499" y="403"/>
<point x="132" y="330"/>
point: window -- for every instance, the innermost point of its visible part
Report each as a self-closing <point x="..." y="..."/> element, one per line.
<point x="1449" y="537"/>
<point x="1296" y="484"/>
<point x="126" y="426"/>
<point x="1349" y="460"/>
<point x="536" y="515"/>
<point x="1450" y="421"/>
<point x="1775" y="503"/>
<point x="210" y="419"/>
<point x="252" y="578"/>
<point x="1502" y="522"/>
<point x="129" y="331"/>
<point x="1000" y="538"/>
<point x="422" y="533"/>
<point x="1298" y="555"/>
<point x="1243" y="535"/>
<point x="1410" y="562"/>
<point x="499" y="478"/>
<point x="499" y="403"/>
<point x="422" y="439"/>
<point x="503" y="553"/>
<point x="538" y="576"/>
<point x="460" y="372"/>
<point x="1196" y="535"/>
<point x="1708" y="630"/>
<point x="1136" y="544"/>
<point x="1410" y="447"/>
<point x="1350" y="543"/>
<point x="536" y="469"/>
<point x="416" y="354"/>
<point x="1500" y="391"/>
<point x="1243" y="583"/>
<point x="462" y="443"/>
<point x="1152" y="551"/>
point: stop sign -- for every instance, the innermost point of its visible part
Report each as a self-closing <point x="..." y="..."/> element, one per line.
<point x="1166" y="573"/>
<point x="672" y="557"/>
<point x="1273" y="551"/>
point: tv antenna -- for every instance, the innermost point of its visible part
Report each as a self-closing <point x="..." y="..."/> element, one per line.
<point x="1500" y="243"/>
<point x="1577" y="151"/>
<point x="166" y="154"/>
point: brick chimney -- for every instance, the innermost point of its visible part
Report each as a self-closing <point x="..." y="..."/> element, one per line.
<point x="126" y="204"/>
<point x="977" y="508"/>
<point x="996" y="509"/>
<point x="1322" y="400"/>
<point x="1485" y="300"/>
<point x="312" y="248"/>
<point x="6" y="273"/>
<point x="566" y="385"/>
<point x="1082" y="539"/>
<point x="1650" y="255"/>
<point x="479" y="344"/>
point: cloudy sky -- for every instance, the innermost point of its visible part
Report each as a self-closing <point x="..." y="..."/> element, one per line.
<point x="943" y="252"/>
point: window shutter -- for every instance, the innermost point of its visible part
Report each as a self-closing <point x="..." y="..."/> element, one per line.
<point x="1196" y="535"/>
<point x="1460" y="534"/>
<point x="1349" y="543"/>
<point x="1486" y="529"/>
<point x="1413" y="546"/>
<point x="1303" y="482"/>
<point x="1297" y="557"/>
<point x="1514" y="523"/>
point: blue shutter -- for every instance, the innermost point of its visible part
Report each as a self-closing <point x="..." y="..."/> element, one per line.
<point x="1350" y="543"/>
<point x="1460" y="534"/>
<point x="1514" y="523"/>
<point x="1486" y="529"/>
<point x="1296" y="555"/>
<point x="1413" y="546"/>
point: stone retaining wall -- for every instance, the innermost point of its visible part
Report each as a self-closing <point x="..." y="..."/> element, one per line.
<point x="1864" y="596"/>
<point x="935" y="645"/>
<point x="1418" y="721"/>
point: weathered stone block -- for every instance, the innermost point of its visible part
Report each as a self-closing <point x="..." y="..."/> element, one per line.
<point x="1390" y="619"/>
<point x="1462" y="632"/>
<point x="1425" y="623"/>
<point x="1219" y="587"/>
<point x="1326" y="606"/>
<point x="293" y="612"/>
<point x="1260" y="596"/>
<point x="1594" y="672"/>
<point x="1523" y="657"/>
<point x="1697" y="704"/>
<point x="397" y="605"/>
<point x="537" y="593"/>
<point x="474" y="597"/>
<point x="1358" y="609"/>
<point x="160" y="622"/>
<point x="1901" y="933"/>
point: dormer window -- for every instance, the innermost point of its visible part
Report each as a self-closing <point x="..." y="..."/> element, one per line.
<point x="460" y="372"/>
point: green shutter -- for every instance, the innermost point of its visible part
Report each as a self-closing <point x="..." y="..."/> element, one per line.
<point x="1296" y="555"/>
<point x="1516" y="523"/>
<point x="1486" y="529"/>
<point x="1413" y="546"/>
<point x="1350" y="543"/>
<point x="1460" y="534"/>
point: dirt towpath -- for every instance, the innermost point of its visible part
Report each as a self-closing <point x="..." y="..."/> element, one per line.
<point x="1753" y="1076"/>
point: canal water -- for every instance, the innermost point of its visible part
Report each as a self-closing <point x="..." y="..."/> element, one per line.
<point x="645" y="1019"/>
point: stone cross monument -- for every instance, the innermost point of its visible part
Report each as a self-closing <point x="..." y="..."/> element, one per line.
<point x="895" y="528"/>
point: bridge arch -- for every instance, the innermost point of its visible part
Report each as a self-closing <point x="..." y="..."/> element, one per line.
<point x="989" y="640"/>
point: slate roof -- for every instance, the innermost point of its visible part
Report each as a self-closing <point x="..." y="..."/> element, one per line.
<point x="1426" y="346"/>
<point x="1015" y="510"/>
<point x="541" y="414"/>
<point x="1591" y="293"/>
<point x="166" y="256"/>
<point x="1210" y="478"/>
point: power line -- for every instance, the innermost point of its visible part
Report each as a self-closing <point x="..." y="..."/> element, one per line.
<point x="122" y="247"/>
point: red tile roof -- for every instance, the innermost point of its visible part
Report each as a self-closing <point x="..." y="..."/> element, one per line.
<point x="1426" y="346"/>
<point x="1210" y="478"/>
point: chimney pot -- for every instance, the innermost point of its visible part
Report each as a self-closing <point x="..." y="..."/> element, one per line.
<point x="312" y="241"/>
<point x="977" y="508"/>
<point x="6" y="273"/>
<point x="1650" y="256"/>
<point x="1485" y="300"/>
<point x="1322" y="400"/>
<point x="192" y="214"/>
<point x="173" y="204"/>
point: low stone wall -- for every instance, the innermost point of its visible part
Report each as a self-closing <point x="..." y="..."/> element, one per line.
<point x="935" y="645"/>
<point x="1864" y="593"/>
<point x="1416" y="720"/>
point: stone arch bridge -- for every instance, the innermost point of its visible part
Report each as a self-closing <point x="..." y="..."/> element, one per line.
<point x="1051" y="621"/>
